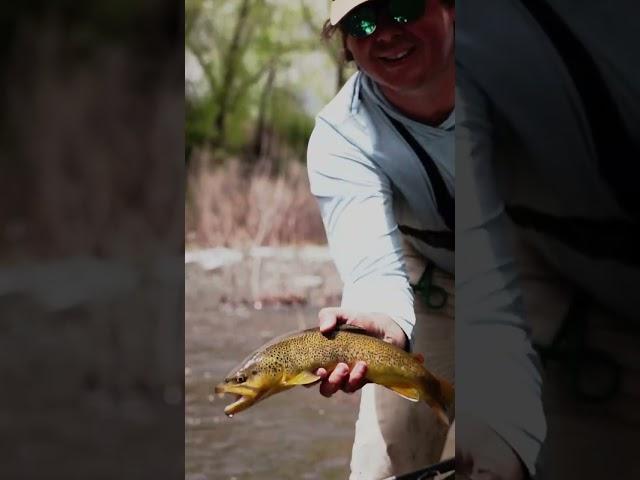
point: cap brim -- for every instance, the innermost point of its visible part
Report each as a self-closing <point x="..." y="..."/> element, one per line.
<point x="340" y="9"/>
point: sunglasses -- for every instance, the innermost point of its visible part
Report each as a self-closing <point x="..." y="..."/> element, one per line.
<point x="363" y="20"/>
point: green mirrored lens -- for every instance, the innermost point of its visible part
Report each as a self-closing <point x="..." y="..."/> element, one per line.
<point x="361" y="22"/>
<point x="405" y="11"/>
<point x="367" y="27"/>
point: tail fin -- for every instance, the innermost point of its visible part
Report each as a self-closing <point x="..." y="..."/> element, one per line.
<point x="448" y="392"/>
<point x="440" y="396"/>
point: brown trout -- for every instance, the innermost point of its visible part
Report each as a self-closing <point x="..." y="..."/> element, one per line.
<point x="292" y="359"/>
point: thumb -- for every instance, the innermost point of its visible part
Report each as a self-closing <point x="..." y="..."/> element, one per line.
<point x="330" y="317"/>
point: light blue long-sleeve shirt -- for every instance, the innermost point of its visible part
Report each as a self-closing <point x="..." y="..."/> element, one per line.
<point x="368" y="181"/>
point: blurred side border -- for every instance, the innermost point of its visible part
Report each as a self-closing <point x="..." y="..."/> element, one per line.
<point x="92" y="239"/>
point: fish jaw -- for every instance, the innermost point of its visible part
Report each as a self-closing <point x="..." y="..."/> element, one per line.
<point x="239" y="405"/>
<point x="245" y="397"/>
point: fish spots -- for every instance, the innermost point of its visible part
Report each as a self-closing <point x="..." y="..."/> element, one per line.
<point x="269" y="368"/>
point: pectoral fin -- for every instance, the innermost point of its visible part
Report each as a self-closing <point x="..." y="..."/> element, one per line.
<point x="302" y="378"/>
<point x="406" y="391"/>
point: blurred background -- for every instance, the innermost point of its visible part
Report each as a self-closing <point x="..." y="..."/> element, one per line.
<point x="91" y="239"/>
<point x="256" y="261"/>
<point x="256" y="74"/>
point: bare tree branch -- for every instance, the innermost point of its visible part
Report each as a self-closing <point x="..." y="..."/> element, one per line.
<point x="207" y="68"/>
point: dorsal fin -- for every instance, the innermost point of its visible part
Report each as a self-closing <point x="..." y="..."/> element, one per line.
<point x="353" y="329"/>
<point x="343" y="327"/>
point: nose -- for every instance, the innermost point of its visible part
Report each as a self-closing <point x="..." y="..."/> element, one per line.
<point x="387" y="30"/>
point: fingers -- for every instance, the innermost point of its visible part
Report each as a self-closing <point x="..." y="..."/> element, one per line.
<point x="356" y="378"/>
<point x="341" y="379"/>
<point x="334" y="381"/>
<point x="377" y="324"/>
<point x="326" y="320"/>
<point x="329" y="317"/>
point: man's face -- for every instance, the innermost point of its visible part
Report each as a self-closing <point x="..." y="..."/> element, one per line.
<point x="408" y="57"/>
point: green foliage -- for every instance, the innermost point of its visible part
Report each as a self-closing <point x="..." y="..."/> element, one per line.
<point x="198" y="121"/>
<point x="291" y="122"/>
<point x="243" y="85"/>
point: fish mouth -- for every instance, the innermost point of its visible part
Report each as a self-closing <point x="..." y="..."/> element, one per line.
<point x="242" y="402"/>
<point x="245" y="396"/>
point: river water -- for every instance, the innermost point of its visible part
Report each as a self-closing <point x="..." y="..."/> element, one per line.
<point x="297" y="434"/>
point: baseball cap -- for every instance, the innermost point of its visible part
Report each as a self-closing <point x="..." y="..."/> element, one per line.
<point x="339" y="8"/>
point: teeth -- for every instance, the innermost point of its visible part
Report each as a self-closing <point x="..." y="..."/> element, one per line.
<point x="398" y="56"/>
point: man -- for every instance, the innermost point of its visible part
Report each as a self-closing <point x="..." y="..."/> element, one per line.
<point x="381" y="164"/>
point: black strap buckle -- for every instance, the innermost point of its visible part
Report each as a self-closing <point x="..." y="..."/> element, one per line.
<point x="435" y="297"/>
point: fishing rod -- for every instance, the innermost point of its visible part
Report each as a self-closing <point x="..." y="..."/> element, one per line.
<point x="444" y="467"/>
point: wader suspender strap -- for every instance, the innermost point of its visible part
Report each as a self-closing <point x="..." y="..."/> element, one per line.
<point x="444" y="201"/>
<point x="435" y="297"/>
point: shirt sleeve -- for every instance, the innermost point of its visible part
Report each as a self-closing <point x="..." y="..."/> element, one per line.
<point x="497" y="371"/>
<point x="356" y="205"/>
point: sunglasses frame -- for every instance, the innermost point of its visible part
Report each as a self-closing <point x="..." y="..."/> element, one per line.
<point x="373" y="10"/>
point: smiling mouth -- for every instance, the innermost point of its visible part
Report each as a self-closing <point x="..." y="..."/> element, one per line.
<point x="396" y="57"/>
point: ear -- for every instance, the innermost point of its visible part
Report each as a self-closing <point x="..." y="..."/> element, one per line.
<point x="346" y="53"/>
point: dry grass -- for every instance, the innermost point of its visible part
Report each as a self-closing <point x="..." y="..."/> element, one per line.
<point x="227" y="208"/>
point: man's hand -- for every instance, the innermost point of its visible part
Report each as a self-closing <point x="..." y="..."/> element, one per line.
<point x="481" y="454"/>
<point x="379" y="325"/>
